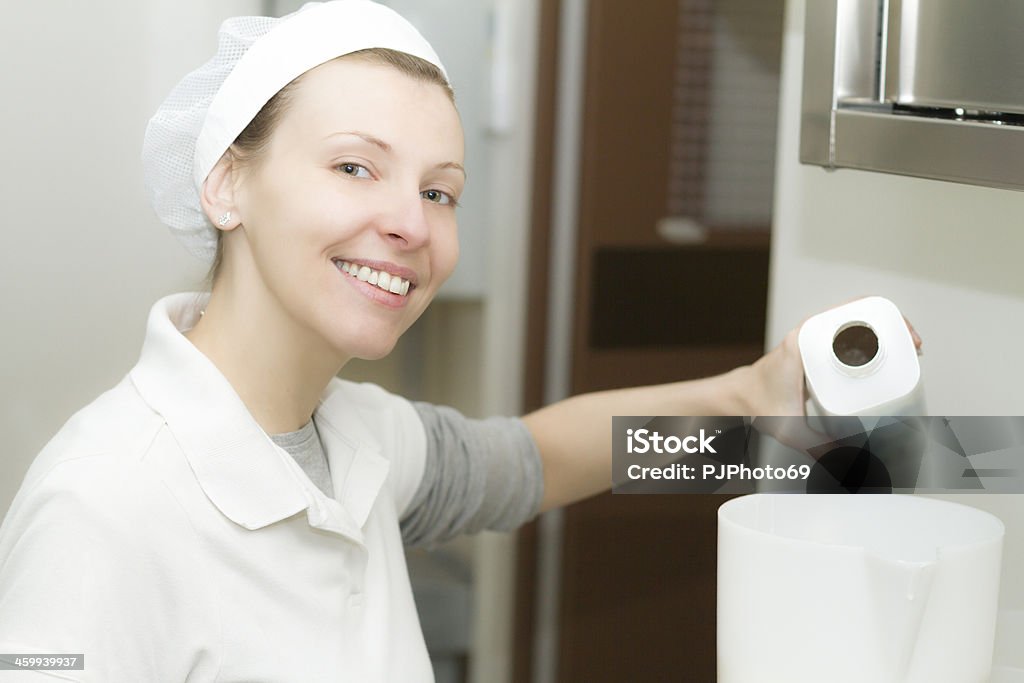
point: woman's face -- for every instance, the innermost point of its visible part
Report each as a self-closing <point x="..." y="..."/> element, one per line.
<point x="361" y="174"/>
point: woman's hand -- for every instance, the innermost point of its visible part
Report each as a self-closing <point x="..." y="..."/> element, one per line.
<point x="777" y="380"/>
<point x="777" y="388"/>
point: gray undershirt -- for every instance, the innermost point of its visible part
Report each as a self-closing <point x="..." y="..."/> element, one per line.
<point x="478" y="474"/>
<point x="304" y="445"/>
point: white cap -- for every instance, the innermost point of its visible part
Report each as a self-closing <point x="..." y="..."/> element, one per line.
<point x="256" y="57"/>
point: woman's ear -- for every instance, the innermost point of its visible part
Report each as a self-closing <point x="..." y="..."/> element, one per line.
<point x="218" y="194"/>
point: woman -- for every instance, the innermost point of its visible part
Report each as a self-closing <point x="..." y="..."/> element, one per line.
<point x="317" y="160"/>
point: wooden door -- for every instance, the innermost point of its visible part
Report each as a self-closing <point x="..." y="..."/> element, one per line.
<point x="670" y="283"/>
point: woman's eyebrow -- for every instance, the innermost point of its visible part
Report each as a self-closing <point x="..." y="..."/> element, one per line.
<point x="377" y="142"/>
<point x="373" y="140"/>
<point x="452" y="164"/>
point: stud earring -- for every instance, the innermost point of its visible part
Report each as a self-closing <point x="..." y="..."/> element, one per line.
<point x="224" y="219"/>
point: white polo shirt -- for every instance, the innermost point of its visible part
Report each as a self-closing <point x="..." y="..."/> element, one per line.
<point x="162" y="534"/>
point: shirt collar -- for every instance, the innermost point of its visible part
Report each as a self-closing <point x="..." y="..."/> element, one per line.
<point x="250" y="480"/>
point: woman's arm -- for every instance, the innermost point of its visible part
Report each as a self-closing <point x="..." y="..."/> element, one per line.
<point x="574" y="436"/>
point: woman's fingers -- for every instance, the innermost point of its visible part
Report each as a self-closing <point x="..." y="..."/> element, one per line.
<point x="914" y="335"/>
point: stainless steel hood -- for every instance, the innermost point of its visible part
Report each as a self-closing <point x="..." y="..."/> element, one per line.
<point x="931" y="88"/>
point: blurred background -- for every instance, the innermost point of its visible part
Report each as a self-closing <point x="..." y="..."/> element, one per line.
<point x="635" y="213"/>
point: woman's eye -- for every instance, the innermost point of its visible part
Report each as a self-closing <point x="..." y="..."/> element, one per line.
<point x="438" y="197"/>
<point x="355" y="170"/>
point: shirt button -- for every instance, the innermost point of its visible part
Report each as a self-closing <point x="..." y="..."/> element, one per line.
<point x="355" y="600"/>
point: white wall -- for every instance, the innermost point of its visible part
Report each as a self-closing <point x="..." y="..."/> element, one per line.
<point x="84" y="258"/>
<point x="948" y="255"/>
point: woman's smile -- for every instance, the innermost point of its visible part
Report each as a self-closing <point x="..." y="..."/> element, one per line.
<point x="384" y="283"/>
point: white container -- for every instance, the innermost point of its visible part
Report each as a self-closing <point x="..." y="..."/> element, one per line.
<point x="859" y="359"/>
<point x="856" y="589"/>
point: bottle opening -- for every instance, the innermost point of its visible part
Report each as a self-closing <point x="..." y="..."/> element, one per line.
<point x="855" y="345"/>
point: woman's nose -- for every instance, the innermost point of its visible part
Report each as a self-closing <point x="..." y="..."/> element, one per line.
<point x="406" y="225"/>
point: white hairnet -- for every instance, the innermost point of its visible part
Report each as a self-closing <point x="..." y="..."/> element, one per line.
<point x="256" y="57"/>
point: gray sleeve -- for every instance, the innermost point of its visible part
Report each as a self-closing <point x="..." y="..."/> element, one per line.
<point x="479" y="474"/>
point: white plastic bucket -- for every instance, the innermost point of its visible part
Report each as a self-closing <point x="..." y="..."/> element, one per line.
<point x="856" y="589"/>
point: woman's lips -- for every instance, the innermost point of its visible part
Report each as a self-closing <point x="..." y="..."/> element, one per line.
<point x="387" y="276"/>
<point x="385" y="287"/>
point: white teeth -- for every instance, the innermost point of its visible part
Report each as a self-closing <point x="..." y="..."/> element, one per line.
<point x="386" y="281"/>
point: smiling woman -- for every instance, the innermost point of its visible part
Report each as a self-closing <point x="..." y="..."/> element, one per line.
<point x="232" y="510"/>
<point x="317" y="161"/>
